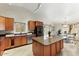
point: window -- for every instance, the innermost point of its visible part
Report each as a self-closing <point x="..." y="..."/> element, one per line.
<point x="19" y="27"/>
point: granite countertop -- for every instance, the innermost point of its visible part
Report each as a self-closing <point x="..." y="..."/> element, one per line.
<point x="17" y="34"/>
<point x="47" y="40"/>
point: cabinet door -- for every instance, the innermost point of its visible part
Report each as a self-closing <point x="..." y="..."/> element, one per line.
<point x="23" y="40"/>
<point x="31" y="25"/>
<point x="17" y="41"/>
<point x="40" y="49"/>
<point x="9" y="22"/>
<point x="62" y="44"/>
<point x="39" y="23"/>
<point x="2" y="19"/>
<point x="58" y="46"/>
<point x="0" y="48"/>
<point x="2" y="23"/>
<point x="34" y="48"/>
<point x="7" y="42"/>
<point x="2" y="45"/>
<point x="53" y="49"/>
<point x="47" y="50"/>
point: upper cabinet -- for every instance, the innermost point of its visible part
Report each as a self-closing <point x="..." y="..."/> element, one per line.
<point x="2" y="19"/>
<point x="6" y="23"/>
<point x="9" y="23"/>
<point x="2" y="23"/>
<point x="33" y="24"/>
<point x="39" y="23"/>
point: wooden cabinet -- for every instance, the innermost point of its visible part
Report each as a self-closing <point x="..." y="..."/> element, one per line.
<point x="40" y="52"/>
<point x="58" y="46"/>
<point x="53" y="49"/>
<point x="35" y="49"/>
<point x="62" y="44"/>
<point x="2" y="23"/>
<point x="31" y="25"/>
<point x="2" y="19"/>
<point x="6" y="23"/>
<point x="39" y="23"/>
<point x="23" y="40"/>
<point x="17" y="40"/>
<point x="9" y="23"/>
<point x="20" y="40"/>
<point x="7" y="42"/>
<point x="47" y="50"/>
<point x="2" y="45"/>
<point x="12" y="41"/>
<point x="40" y="49"/>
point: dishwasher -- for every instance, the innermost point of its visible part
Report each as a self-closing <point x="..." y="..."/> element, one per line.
<point x="29" y="37"/>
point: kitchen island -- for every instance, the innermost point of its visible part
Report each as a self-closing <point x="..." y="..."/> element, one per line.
<point x="47" y="46"/>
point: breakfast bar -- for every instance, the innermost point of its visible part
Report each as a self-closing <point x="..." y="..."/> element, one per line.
<point x="49" y="46"/>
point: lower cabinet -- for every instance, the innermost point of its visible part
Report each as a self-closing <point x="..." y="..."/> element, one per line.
<point x="20" y="40"/>
<point x="12" y="41"/>
<point x="23" y="40"/>
<point x="7" y="42"/>
<point x="46" y="50"/>
<point x="2" y="45"/>
<point x="53" y="49"/>
<point x="40" y="50"/>
<point x="58" y="46"/>
<point x="62" y="44"/>
<point x="17" y="40"/>
<point x="34" y="48"/>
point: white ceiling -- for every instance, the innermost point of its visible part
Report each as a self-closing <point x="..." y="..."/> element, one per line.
<point x="59" y="12"/>
<point x="48" y="12"/>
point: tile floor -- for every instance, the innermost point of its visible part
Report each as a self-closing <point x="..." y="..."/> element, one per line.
<point x="20" y="51"/>
<point x="68" y="50"/>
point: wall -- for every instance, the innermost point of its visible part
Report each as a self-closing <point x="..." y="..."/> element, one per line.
<point x="53" y="28"/>
<point x="57" y="27"/>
